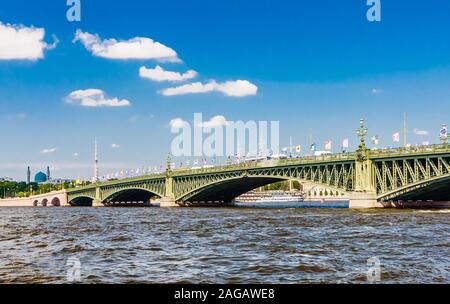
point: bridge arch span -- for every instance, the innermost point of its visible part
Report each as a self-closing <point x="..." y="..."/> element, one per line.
<point x="81" y="201"/>
<point x="227" y="190"/>
<point x="56" y="202"/>
<point x="434" y="189"/>
<point x="129" y="195"/>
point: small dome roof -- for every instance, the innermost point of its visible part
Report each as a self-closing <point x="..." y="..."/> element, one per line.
<point x="40" y="177"/>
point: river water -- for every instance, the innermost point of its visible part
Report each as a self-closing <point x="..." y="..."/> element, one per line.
<point x="229" y="245"/>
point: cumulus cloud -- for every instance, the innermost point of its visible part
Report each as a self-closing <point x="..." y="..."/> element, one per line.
<point x="177" y="123"/>
<point x="95" y="98"/>
<point x="134" y="48"/>
<point x="115" y="146"/>
<point x="48" y="151"/>
<point x="76" y="154"/>
<point x="18" y="42"/>
<point x="421" y="132"/>
<point x="159" y="74"/>
<point x="238" y="88"/>
<point x="216" y="121"/>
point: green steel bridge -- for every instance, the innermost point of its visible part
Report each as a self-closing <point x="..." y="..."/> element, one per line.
<point x="368" y="178"/>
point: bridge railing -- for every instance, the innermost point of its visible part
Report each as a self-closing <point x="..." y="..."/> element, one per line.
<point x="413" y="150"/>
<point x="270" y="163"/>
<point x="349" y="156"/>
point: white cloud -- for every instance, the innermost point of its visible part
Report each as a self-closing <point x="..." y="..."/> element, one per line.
<point x="377" y="91"/>
<point x="76" y="154"/>
<point x="48" y="151"/>
<point x="421" y="132"/>
<point x="159" y="74"/>
<point x="115" y="146"/>
<point x="238" y="88"/>
<point x="135" y="48"/>
<point x="18" y="42"/>
<point x="177" y="123"/>
<point x="216" y="121"/>
<point x="95" y="98"/>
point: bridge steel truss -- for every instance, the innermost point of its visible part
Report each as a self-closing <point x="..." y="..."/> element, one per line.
<point x="100" y="193"/>
<point x="334" y="174"/>
<point x="400" y="175"/>
<point x="394" y="174"/>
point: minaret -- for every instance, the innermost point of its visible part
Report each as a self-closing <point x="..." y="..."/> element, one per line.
<point x="96" y="161"/>
<point x="48" y="173"/>
<point x="28" y="175"/>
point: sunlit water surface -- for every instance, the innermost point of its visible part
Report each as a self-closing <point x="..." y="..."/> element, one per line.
<point x="229" y="245"/>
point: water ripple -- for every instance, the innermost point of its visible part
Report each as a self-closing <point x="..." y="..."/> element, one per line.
<point x="230" y="245"/>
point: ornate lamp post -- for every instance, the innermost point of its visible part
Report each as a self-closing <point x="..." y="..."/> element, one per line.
<point x="168" y="165"/>
<point x="362" y="133"/>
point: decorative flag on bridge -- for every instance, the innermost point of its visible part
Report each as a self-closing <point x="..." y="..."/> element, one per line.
<point x="375" y="140"/>
<point x="313" y="148"/>
<point x="444" y="132"/>
<point x="396" y="137"/>
<point x="298" y="149"/>
<point x="345" y="143"/>
<point x="328" y="145"/>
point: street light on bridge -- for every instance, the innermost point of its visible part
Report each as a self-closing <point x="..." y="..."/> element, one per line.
<point x="362" y="133"/>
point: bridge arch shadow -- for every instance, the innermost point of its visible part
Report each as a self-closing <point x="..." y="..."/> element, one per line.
<point x="82" y="201"/>
<point x="229" y="189"/>
<point x="130" y="196"/>
<point x="56" y="202"/>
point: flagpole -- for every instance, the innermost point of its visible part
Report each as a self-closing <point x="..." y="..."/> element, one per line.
<point x="405" y="130"/>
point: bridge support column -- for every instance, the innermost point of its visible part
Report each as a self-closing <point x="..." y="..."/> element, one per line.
<point x="364" y="200"/>
<point x="97" y="202"/>
<point x="168" y="202"/>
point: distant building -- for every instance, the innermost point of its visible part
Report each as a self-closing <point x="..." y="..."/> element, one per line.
<point x="40" y="178"/>
<point x="28" y="175"/>
<point x="5" y="179"/>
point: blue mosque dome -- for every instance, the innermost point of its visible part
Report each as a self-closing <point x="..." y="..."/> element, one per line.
<point x="40" y="177"/>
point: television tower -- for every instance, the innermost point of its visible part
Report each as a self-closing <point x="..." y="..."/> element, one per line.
<point x="96" y="161"/>
<point x="28" y="175"/>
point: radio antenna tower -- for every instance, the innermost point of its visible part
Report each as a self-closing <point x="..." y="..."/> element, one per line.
<point x="96" y="161"/>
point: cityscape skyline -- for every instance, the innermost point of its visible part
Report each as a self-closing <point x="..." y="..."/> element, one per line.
<point x="310" y="69"/>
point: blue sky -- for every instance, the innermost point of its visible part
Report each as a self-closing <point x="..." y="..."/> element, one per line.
<point x="317" y="65"/>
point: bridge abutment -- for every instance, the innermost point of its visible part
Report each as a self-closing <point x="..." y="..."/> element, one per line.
<point x="364" y="200"/>
<point x="97" y="203"/>
<point x="168" y="202"/>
